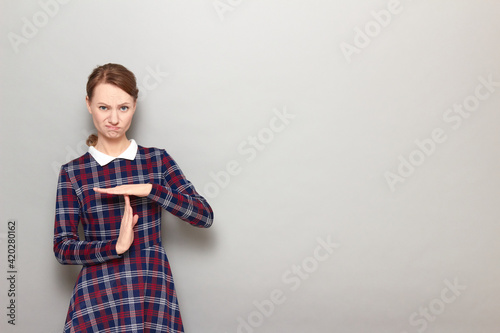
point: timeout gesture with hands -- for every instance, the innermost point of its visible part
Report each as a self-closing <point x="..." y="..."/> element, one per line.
<point x="129" y="220"/>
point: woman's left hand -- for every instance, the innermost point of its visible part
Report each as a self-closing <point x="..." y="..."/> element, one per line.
<point x="139" y="190"/>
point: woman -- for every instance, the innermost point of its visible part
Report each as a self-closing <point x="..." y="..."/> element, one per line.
<point x="117" y="191"/>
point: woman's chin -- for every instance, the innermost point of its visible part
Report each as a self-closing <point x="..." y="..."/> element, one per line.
<point x="113" y="135"/>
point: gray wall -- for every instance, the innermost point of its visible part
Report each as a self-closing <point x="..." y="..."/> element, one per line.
<point x="349" y="150"/>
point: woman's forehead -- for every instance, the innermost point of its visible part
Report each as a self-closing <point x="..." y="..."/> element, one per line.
<point x="108" y="93"/>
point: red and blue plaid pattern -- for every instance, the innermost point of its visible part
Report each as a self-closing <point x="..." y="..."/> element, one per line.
<point x="133" y="292"/>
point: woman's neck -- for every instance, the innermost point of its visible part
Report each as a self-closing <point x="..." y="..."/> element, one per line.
<point x="112" y="147"/>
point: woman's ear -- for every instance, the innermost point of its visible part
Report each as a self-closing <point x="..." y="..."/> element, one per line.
<point x="87" y="100"/>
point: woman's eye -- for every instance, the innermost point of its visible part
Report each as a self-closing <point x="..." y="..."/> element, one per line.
<point x="124" y="108"/>
<point x="102" y="108"/>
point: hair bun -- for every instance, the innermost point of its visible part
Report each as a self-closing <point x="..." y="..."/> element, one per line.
<point x="92" y="140"/>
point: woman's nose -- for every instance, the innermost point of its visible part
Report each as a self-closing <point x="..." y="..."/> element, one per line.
<point x="113" y="117"/>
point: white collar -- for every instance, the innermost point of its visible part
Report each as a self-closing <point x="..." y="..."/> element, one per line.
<point x="103" y="159"/>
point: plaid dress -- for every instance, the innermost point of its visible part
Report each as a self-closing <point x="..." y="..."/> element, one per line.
<point x="132" y="292"/>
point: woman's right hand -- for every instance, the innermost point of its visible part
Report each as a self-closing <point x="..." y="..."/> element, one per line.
<point x="126" y="236"/>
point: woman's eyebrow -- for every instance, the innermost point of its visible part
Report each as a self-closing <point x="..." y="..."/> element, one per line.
<point x="121" y="104"/>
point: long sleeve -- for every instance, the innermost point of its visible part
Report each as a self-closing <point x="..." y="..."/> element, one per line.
<point x="178" y="196"/>
<point x="68" y="248"/>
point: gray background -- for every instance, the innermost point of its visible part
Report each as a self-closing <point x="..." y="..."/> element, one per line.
<point x="223" y="68"/>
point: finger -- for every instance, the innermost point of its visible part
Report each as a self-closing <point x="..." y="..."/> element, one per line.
<point x="127" y="212"/>
<point x="129" y="206"/>
<point x="102" y="190"/>
<point x="136" y="218"/>
<point x="111" y="191"/>
<point x="117" y="190"/>
<point x="127" y="216"/>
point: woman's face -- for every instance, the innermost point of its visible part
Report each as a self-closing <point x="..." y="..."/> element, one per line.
<point x="112" y="110"/>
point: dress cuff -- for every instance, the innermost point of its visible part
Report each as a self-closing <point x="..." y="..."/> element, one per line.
<point x="112" y="249"/>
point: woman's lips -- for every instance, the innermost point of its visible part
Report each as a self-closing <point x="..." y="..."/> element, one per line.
<point x="113" y="128"/>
